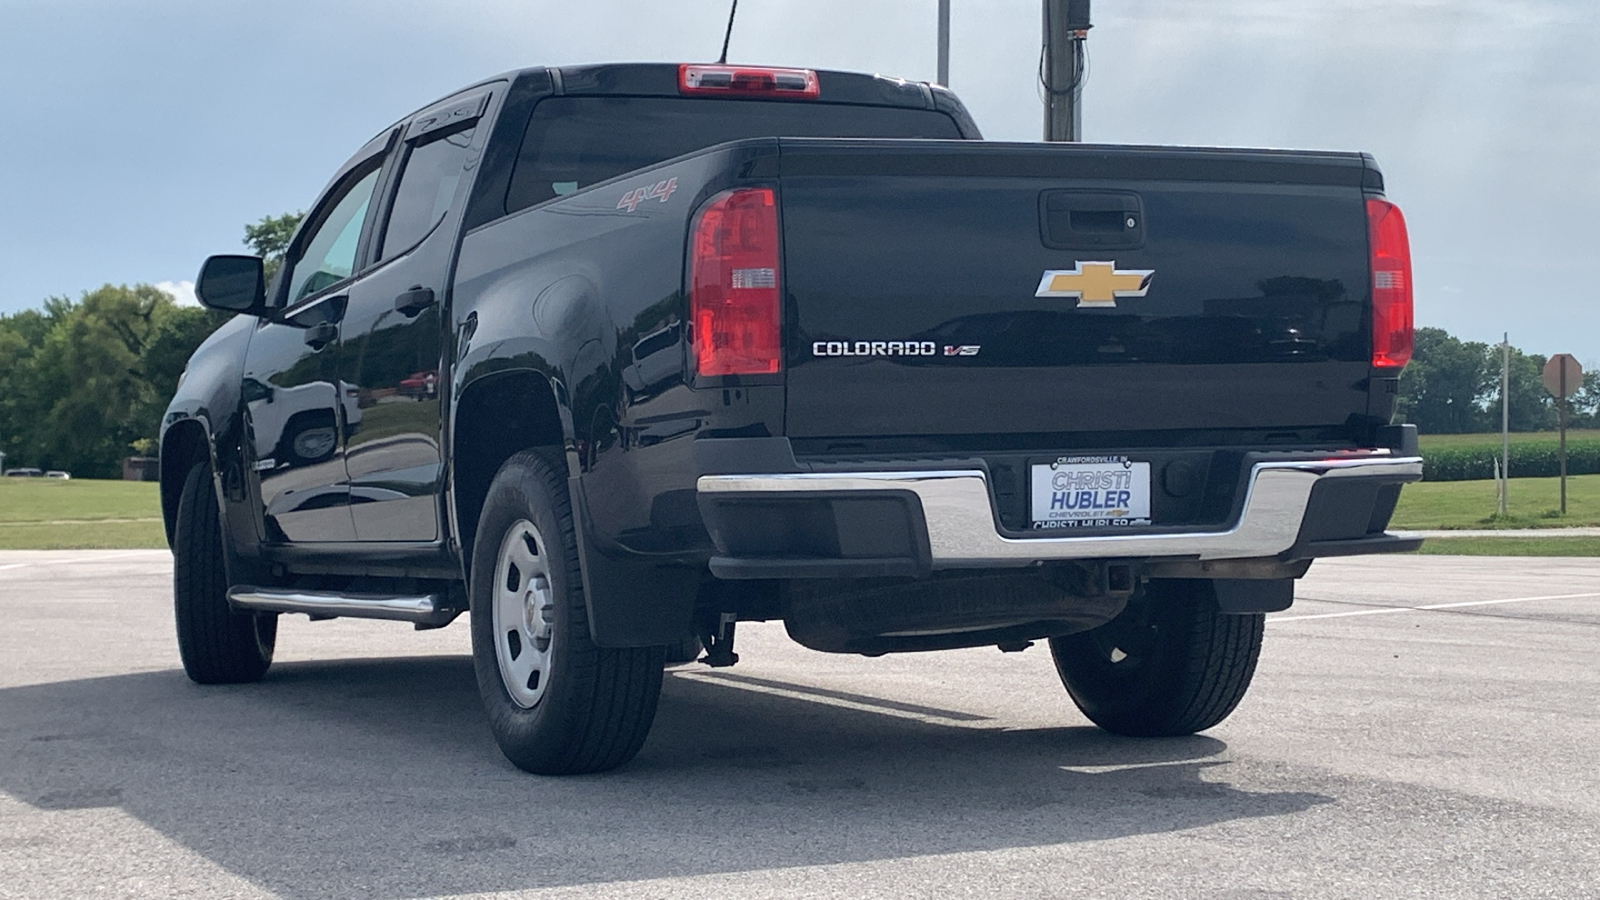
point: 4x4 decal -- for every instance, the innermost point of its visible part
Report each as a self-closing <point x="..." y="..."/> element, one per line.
<point x="661" y="190"/>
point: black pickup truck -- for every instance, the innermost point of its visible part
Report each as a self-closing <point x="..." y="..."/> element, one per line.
<point x="618" y="356"/>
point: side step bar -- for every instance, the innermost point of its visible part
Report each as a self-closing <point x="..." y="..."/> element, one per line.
<point x="425" y="610"/>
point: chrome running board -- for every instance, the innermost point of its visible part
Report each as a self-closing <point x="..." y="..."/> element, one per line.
<point x="428" y="610"/>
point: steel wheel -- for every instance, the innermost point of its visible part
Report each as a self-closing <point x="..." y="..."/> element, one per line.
<point x="524" y="614"/>
<point x="557" y="704"/>
<point x="314" y="443"/>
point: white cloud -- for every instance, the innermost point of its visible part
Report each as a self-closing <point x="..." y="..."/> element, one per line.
<point x="180" y="291"/>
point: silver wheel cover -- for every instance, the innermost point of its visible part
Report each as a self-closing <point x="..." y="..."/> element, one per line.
<point x="314" y="443"/>
<point x="524" y="614"/>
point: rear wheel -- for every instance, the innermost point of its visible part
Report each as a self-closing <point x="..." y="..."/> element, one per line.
<point x="1170" y="664"/>
<point x="217" y="644"/>
<point x="557" y="704"/>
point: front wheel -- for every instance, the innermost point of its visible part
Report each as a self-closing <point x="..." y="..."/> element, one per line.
<point x="557" y="704"/>
<point x="1170" y="664"/>
<point x="217" y="644"/>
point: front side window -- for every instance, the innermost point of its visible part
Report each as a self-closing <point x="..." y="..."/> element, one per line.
<point x="328" y="255"/>
<point x="427" y="186"/>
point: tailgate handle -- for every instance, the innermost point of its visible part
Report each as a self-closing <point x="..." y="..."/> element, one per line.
<point x="1091" y="220"/>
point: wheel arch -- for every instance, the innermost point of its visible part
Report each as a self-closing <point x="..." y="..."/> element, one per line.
<point x="186" y="443"/>
<point x="497" y="416"/>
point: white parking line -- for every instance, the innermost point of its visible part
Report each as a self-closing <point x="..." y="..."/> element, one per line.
<point x="1400" y="609"/>
<point x="109" y="557"/>
<point x="99" y="556"/>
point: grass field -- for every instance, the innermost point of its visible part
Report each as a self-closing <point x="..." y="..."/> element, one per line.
<point x="1493" y="438"/>
<point x="1531" y="503"/>
<point x="1512" y="546"/>
<point x="46" y="514"/>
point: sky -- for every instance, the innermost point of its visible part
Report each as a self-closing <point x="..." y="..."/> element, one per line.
<point x="136" y="138"/>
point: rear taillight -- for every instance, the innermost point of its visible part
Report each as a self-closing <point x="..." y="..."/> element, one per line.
<point x="733" y="284"/>
<point x="1391" y="284"/>
<point x="748" y="81"/>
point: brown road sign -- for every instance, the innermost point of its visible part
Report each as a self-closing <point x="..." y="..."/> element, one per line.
<point x="1553" y="371"/>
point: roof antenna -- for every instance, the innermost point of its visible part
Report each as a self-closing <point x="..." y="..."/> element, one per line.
<point x="723" y="60"/>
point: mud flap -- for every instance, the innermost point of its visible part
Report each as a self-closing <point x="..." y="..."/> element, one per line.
<point x="1241" y="596"/>
<point x="631" y="602"/>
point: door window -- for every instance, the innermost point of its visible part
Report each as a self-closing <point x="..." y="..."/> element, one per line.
<point x="328" y="254"/>
<point x="427" y="186"/>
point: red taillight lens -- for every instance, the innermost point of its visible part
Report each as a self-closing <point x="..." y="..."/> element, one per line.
<point x="748" y="81"/>
<point x="1391" y="284"/>
<point x="733" y="284"/>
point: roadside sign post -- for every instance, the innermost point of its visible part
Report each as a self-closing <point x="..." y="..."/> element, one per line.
<point x="1505" y="421"/>
<point x="1562" y="376"/>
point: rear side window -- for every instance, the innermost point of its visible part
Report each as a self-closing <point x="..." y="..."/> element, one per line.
<point x="427" y="185"/>
<point x="573" y="142"/>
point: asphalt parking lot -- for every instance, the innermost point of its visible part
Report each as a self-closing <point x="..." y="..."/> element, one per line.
<point x="1420" y="726"/>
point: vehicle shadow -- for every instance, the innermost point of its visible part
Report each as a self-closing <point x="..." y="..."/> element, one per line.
<point x="383" y="771"/>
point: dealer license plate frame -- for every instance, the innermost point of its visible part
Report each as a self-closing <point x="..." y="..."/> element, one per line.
<point x="1119" y="487"/>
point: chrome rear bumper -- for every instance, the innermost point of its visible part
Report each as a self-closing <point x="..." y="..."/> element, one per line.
<point x="962" y="530"/>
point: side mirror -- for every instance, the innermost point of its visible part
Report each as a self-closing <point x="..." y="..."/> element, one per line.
<point x="253" y="390"/>
<point x="233" y="283"/>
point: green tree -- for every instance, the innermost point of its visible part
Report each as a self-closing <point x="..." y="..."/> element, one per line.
<point x="1584" y="408"/>
<point x="179" y="330"/>
<point x="269" y="238"/>
<point x="1453" y="387"/>
<point x="1532" y="407"/>
<point x="1448" y="384"/>
<point x="21" y="336"/>
<point x="74" y="393"/>
<point x="83" y="382"/>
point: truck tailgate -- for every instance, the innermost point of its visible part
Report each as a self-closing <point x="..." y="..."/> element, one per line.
<point x="1193" y="291"/>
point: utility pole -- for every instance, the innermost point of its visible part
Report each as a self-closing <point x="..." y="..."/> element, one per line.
<point x="1066" y="28"/>
<point x="1505" y="419"/>
<point x="944" y="42"/>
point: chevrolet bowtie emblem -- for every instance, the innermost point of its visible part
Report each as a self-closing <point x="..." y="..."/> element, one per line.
<point x="1098" y="284"/>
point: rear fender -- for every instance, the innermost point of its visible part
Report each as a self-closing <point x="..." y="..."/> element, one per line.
<point x="630" y="601"/>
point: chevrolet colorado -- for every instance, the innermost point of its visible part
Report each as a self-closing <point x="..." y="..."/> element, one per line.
<point x="615" y="357"/>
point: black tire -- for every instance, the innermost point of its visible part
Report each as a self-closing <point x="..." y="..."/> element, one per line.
<point x="217" y="644"/>
<point x="1170" y="664"/>
<point x="594" y="705"/>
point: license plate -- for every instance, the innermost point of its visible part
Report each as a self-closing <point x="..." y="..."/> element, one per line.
<point x="1091" y="492"/>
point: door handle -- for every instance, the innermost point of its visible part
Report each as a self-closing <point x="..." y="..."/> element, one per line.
<point x="321" y="335"/>
<point x="411" y="303"/>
